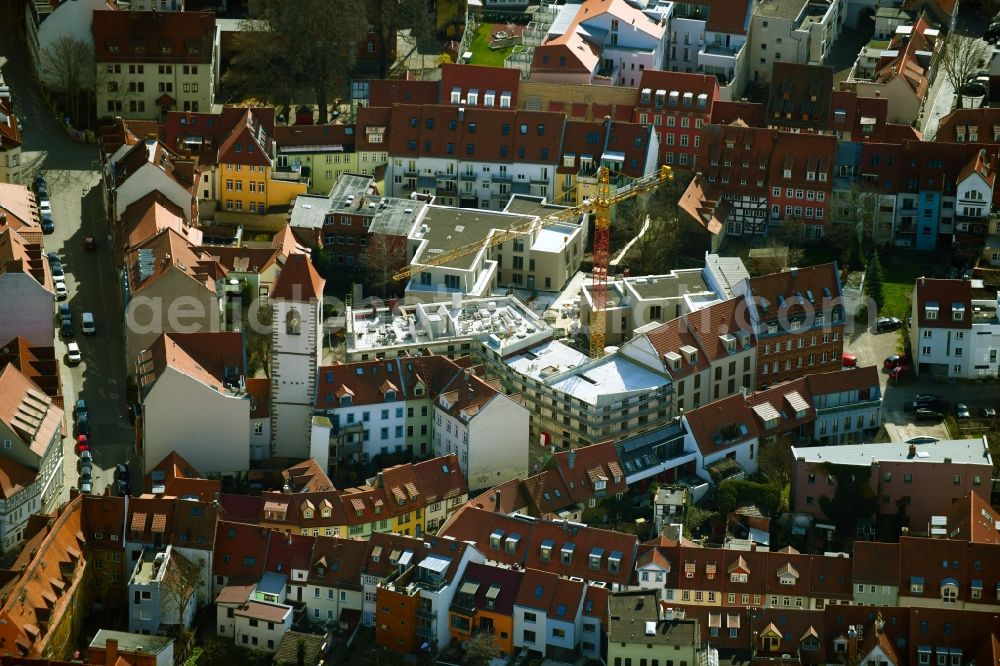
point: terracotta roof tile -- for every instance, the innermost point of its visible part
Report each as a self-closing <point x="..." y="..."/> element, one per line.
<point x="206" y="357"/>
<point x="386" y="92"/>
<point x="151" y="36"/>
<point x="298" y="281"/>
<point x="27" y="411"/>
<point x="464" y="78"/>
<point x="944" y="294"/>
<point x="240" y="549"/>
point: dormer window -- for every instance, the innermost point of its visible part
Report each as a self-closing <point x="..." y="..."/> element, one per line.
<point x="931" y="311"/>
<point x="566" y="554"/>
<point x="345" y="400"/>
<point x="957" y="312"/>
<point x="949" y="591"/>
<point x="511" y="543"/>
<point x="595" y="559"/>
<point x="495" y="539"/>
<point x="545" y="551"/>
<point x="390" y="396"/>
<point x="916" y="585"/>
<point x="307" y="514"/>
<point x="614" y="561"/>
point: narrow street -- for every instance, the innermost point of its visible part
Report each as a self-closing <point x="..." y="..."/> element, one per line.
<point x="72" y="171"/>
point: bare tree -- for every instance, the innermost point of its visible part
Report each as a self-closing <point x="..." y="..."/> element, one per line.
<point x="68" y="68"/>
<point x="383" y="257"/>
<point x="257" y="316"/>
<point x="481" y="648"/>
<point x="960" y="58"/>
<point x="180" y="583"/>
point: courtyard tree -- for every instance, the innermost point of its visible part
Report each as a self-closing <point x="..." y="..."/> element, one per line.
<point x="67" y="68"/>
<point x="180" y="583"/>
<point x="875" y="283"/>
<point x="960" y="58"/>
<point x="481" y="649"/>
<point x="387" y="17"/>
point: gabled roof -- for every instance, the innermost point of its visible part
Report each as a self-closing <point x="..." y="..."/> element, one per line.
<point x="249" y="142"/>
<point x="14" y="478"/>
<point x="241" y="508"/>
<point x="214" y="359"/>
<point x="973" y="519"/>
<point x="800" y="95"/>
<point x="337" y="562"/>
<point x="195" y="524"/>
<point x="697" y="84"/>
<point x="152" y="36"/>
<point x="335" y="137"/>
<point x="795" y="156"/>
<point x="298" y="281"/>
<point x="306" y="477"/>
<point x="722" y="424"/>
<point x="151" y="214"/>
<point x="103" y="521"/>
<point x="982" y="164"/>
<point x="373" y="121"/>
<point x="735" y="157"/>
<point x="180" y="479"/>
<point x="18" y="202"/>
<point x="948" y="296"/>
<point x="793" y="287"/>
<point x="465" y="78"/>
<point x="168" y="251"/>
<point x="25" y="409"/>
<point x="287" y="551"/>
<point x="958" y="125"/>
<point x="498" y="584"/>
<point x="19" y="256"/>
<point x="581" y="468"/>
<point x="386" y="92"/>
<point x="751" y="114"/>
<point x="508" y="497"/>
<point x="240" y="549"/>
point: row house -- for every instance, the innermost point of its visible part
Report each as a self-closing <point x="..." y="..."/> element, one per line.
<point x="797" y="318"/>
<point x="405" y="499"/>
<point x="414" y="601"/>
<point x="371" y="142"/>
<point x="673" y="634"/>
<point x="548" y="614"/>
<point x="607" y="42"/>
<point x="473" y="86"/>
<point x="153" y="608"/>
<point x="237" y="151"/>
<point x="637" y="301"/>
<point x="801" y="32"/>
<point x="383" y="555"/>
<point x="712" y="37"/>
<point x="677" y="105"/>
<point x="27" y="293"/>
<point x="147" y="217"/>
<point x="426" y="405"/>
<point x="20" y="498"/>
<point x="136" y="169"/>
<point x="960" y="466"/>
<point x="176" y="477"/>
<point x="355" y="224"/>
<point x="485" y="603"/>
<point x="956" y="331"/>
<point x="103" y="523"/>
<point x="149" y="63"/>
<point x="604" y="558"/>
<point x="320" y="153"/>
<point x="11" y="165"/>
<point x="31" y="427"/>
<point x="801" y="181"/>
<point x="472" y="157"/>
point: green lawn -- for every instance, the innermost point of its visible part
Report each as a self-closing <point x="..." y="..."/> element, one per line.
<point x="899" y="280"/>
<point x="481" y="53"/>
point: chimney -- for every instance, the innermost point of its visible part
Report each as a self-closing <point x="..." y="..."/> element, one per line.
<point x="913" y="451"/>
<point x="496" y="500"/>
<point x="571" y="458"/>
<point x="111" y="651"/>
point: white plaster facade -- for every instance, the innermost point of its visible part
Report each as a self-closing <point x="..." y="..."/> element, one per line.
<point x="146" y="179"/>
<point x="803" y="36"/>
<point x="693" y="49"/>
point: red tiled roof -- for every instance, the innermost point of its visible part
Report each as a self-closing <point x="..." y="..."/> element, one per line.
<point x="298" y="281"/>
<point x="104" y="518"/>
<point x="682" y="82"/>
<point x="728" y="16"/>
<point x="513" y="497"/>
<point x="240" y="549"/>
<point x="464" y="78"/>
<point x="751" y="114"/>
<point x="259" y="389"/>
<point x="37" y="363"/>
<point x="796" y="283"/>
<point x="249" y="142"/>
<point x="800" y="95"/>
<point x="263" y="611"/>
<point x="180" y="479"/>
<point x="306" y="477"/>
<point x="151" y="36"/>
<point x="205" y="357"/>
<point x="722" y="424"/>
<point x="241" y="508"/>
<point x="973" y="519"/>
<point x="373" y="121"/>
<point x="795" y="156"/>
<point x="386" y="92"/>
<point x="945" y="294"/>
<point x="506" y="581"/>
<point x="287" y="551"/>
<point x="985" y="121"/>
<point x="575" y="467"/>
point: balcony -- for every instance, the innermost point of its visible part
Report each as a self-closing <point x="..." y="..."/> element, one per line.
<point x="467" y="177"/>
<point x="501" y="178"/>
<point x="426" y="632"/>
<point x="444" y="175"/>
<point x="291" y="176"/>
<point x="425" y="613"/>
<point x="411" y="171"/>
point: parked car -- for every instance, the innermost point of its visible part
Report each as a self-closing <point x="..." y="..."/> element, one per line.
<point x="64" y="311"/>
<point x="48" y="226"/>
<point x="894" y="361"/>
<point x="82" y="443"/>
<point x="898" y="372"/>
<point x="52" y="256"/>
<point x="85" y="472"/>
<point x="87" y="326"/>
<point x="937" y="405"/>
<point x="121" y="471"/>
<point x="62" y="293"/>
<point x="57" y="269"/>
<point x="849" y="360"/>
<point x="40" y="180"/>
<point x="80" y="408"/>
<point x="73" y="355"/>
<point x="42" y="189"/>
<point x="924" y="414"/>
<point x="989" y="413"/>
<point x="83" y="424"/>
<point x="962" y="411"/>
<point x="66" y="328"/>
<point x="883" y="324"/>
<point x="86" y="457"/>
<point x="973" y="89"/>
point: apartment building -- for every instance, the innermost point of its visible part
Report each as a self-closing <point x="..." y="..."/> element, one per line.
<point x="800" y="32"/>
<point x="955" y="330"/>
<point x="678" y="105"/>
<point x="544" y="257"/>
<point x="424" y="405"/>
<point x="472" y="156"/>
<point x="547" y="614"/>
<point x="607" y="42"/>
<point x="200" y="375"/>
<point x="150" y="62"/>
<point x="707" y="354"/>
<point x="797" y="318"/>
<point x="896" y="472"/>
<point x="321" y="153"/>
<point x="711" y="37"/>
<point x="635" y="302"/>
<point x="356" y="224"/>
<point x="136" y="169"/>
<point x="901" y="70"/>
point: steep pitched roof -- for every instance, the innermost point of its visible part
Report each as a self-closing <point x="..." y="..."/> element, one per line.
<point x="148" y="215"/>
<point x="774" y="288"/>
<point x="180" y="479"/>
<point x="465" y="78"/>
<point x="249" y="141"/>
<point x="19" y="256"/>
<point x="583" y="467"/>
<point x="944" y="295"/>
<point x="213" y="359"/>
<point x="298" y="281"/>
<point x="386" y="92"/>
<point x="800" y="95"/>
<point x="166" y="251"/>
<point x="27" y="411"/>
<point x="14" y="478"/>
<point x="722" y="424"/>
<point x="240" y="549"/>
<point x="502" y="585"/>
<point x="306" y="477"/>
<point x="152" y="36"/>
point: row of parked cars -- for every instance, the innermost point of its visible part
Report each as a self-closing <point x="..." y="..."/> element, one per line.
<point x="81" y="417"/>
<point x="932" y="407"/>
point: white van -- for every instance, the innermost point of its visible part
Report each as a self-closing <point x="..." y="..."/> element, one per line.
<point x="88" y="326"/>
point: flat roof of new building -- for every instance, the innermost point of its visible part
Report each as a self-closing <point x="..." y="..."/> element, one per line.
<point x="786" y="9"/>
<point x="351" y="194"/>
<point x="502" y="323"/>
<point x="958" y="451"/>
<point x="633" y="617"/>
<point x="444" y="228"/>
<point x="523" y="204"/>
<point x="673" y="285"/>
<point x="129" y="642"/>
<point x="611" y="375"/>
<point x="553" y="239"/>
